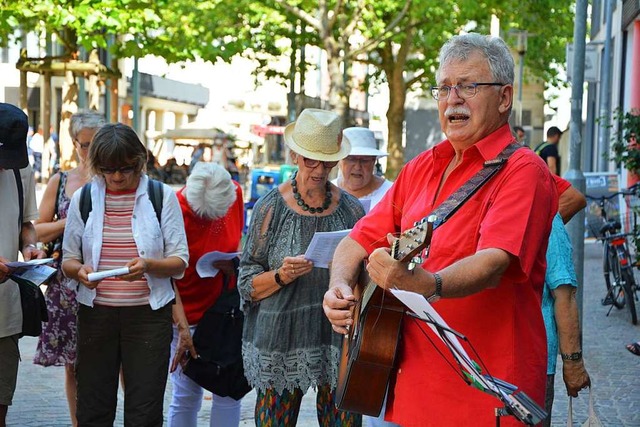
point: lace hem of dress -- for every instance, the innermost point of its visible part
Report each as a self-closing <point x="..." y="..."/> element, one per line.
<point x="301" y="368"/>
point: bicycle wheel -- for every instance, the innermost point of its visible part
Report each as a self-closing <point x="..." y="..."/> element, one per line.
<point x="613" y="279"/>
<point x="629" y="286"/>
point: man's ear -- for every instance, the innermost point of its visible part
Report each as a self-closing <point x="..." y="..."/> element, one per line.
<point x="506" y="99"/>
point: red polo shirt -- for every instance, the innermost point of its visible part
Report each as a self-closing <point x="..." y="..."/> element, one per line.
<point x="512" y="212"/>
<point x="206" y="235"/>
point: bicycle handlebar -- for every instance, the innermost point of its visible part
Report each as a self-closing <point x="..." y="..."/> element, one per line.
<point x="631" y="191"/>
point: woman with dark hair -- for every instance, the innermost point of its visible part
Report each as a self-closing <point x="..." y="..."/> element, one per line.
<point x="123" y="321"/>
<point x="57" y="343"/>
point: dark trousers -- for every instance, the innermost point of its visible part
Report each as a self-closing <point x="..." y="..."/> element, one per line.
<point x="137" y="339"/>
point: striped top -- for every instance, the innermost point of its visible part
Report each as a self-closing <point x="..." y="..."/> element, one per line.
<point x="118" y="248"/>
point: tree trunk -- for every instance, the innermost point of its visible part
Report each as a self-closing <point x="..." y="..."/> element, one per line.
<point x="395" y="114"/>
<point x="337" y="94"/>
<point x="69" y="107"/>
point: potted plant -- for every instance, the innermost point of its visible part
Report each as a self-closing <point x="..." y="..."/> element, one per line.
<point x="625" y="150"/>
<point x="625" y="147"/>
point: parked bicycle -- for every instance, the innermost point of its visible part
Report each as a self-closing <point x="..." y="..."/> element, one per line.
<point x="617" y="263"/>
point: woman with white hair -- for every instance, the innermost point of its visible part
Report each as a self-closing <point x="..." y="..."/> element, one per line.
<point x="356" y="170"/>
<point x="212" y="208"/>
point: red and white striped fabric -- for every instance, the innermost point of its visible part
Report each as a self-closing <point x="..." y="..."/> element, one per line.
<point x="118" y="248"/>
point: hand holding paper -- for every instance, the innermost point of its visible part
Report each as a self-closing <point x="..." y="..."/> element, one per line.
<point x="323" y="245"/>
<point x="204" y="266"/>
<point x="100" y="275"/>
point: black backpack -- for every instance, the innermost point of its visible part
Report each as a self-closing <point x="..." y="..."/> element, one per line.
<point x="218" y="340"/>
<point x="154" y="189"/>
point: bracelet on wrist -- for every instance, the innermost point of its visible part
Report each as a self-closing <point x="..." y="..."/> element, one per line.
<point x="572" y="356"/>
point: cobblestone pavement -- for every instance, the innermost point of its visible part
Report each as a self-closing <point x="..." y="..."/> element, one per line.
<point x="615" y="373"/>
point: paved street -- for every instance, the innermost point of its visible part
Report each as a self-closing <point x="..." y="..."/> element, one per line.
<point x="615" y="373"/>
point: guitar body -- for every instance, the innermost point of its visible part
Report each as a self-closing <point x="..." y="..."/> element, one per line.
<point x="369" y="353"/>
<point x="369" y="350"/>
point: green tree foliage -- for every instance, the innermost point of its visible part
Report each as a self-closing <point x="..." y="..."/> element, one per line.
<point x="400" y="39"/>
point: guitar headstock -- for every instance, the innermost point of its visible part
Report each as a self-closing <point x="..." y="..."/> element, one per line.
<point x="413" y="240"/>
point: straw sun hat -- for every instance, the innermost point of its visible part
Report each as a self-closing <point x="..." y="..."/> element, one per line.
<point x="363" y="142"/>
<point x="317" y="135"/>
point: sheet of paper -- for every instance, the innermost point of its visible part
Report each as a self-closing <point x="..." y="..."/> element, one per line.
<point x="425" y="311"/>
<point x="205" y="267"/>
<point x="100" y="275"/>
<point x="35" y="274"/>
<point x="366" y="204"/>
<point x="323" y="245"/>
<point x="29" y="264"/>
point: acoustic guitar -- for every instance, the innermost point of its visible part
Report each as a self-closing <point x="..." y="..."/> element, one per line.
<point x="369" y="350"/>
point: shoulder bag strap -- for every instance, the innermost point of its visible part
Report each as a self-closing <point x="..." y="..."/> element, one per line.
<point x="63" y="175"/>
<point x="459" y="197"/>
<point x="16" y="173"/>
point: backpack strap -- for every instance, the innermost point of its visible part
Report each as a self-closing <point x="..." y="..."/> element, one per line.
<point x="85" y="202"/>
<point x="16" y="173"/>
<point x="541" y="147"/>
<point x="155" y="190"/>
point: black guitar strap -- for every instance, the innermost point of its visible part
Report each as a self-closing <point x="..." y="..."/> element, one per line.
<point x="446" y="209"/>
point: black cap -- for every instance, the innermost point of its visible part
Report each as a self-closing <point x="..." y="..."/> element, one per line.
<point x="14" y="126"/>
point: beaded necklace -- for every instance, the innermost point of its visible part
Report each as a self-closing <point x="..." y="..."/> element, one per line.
<point x="305" y="207"/>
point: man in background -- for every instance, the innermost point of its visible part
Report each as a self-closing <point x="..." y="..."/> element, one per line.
<point x="16" y="234"/>
<point x="521" y="135"/>
<point x="548" y="150"/>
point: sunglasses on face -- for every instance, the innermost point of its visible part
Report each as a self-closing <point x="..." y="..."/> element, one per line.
<point x="311" y="164"/>
<point x="125" y="170"/>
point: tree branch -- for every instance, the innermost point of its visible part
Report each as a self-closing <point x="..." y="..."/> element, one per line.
<point x="314" y="22"/>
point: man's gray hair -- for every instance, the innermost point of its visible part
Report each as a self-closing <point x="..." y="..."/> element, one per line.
<point x="459" y="48"/>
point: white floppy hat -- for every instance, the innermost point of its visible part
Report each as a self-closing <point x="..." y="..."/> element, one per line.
<point x="317" y="135"/>
<point x="363" y="142"/>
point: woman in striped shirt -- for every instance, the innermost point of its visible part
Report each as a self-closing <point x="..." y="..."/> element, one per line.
<point x="123" y="321"/>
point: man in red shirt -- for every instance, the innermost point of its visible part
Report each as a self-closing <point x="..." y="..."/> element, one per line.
<point x="486" y="264"/>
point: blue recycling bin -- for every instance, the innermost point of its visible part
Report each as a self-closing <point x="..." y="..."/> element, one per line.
<point x="262" y="181"/>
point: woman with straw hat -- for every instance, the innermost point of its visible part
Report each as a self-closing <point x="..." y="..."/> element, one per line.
<point x="287" y="344"/>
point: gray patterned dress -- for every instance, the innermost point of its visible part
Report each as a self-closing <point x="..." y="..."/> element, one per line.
<point x="287" y="342"/>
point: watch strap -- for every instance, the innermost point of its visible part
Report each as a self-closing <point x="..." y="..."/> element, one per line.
<point x="279" y="279"/>
<point x="438" y="292"/>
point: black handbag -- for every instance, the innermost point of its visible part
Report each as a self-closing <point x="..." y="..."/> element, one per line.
<point x="218" y="341"/>
<point x="34" y="307"/>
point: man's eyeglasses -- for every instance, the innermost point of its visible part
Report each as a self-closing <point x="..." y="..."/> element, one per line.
<point x="125" y="170"/>
<point x="83" y="145"/>
<point x="364" y="161"/>
<point x="464" y="91"/>
<point x="311" y="164"/>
